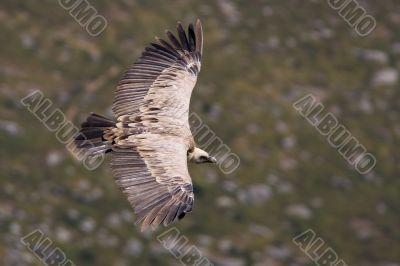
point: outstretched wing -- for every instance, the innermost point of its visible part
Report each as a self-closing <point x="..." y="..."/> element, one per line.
<point x="153" y="174"/>
<point x="160" y="83"/>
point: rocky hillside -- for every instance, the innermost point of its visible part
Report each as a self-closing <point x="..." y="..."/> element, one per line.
<point x="260" y="57"/>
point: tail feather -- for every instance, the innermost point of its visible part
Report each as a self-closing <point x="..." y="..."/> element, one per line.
<point x="91" y="136"/>
<point x="98" y="120"/>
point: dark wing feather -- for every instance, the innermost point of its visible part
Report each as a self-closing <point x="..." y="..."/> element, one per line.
<point x="183" y="39"/>
<point x="199" y="38"/>
<point x="192" y="38"/>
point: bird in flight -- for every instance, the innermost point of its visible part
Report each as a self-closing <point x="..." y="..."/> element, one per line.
<point x="150" y="139"/>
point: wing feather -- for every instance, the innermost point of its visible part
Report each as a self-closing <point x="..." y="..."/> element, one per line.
<point x="177" y="46"/>
<point x="182" y="37"/>
<point x="167" y="61"/>
<point x="151" y="167"/>
<point x="153" y="174"/>
<point x="199" y="37"/>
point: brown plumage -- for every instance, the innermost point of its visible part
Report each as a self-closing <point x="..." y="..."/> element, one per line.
<point x="151" y="141"/>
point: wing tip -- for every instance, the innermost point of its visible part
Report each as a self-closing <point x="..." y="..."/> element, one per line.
<point x="182" y="41"/>
<point x="199" y="36"/>
<point x="165" y="215"/>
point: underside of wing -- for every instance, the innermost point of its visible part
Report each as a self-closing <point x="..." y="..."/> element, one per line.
<point x="153" y="174"/>
<point x="166" y="68"/>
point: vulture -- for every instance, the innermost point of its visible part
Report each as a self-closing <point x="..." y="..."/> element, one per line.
<point x="149" y="139"/>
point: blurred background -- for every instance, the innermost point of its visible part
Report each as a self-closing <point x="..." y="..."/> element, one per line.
<point x="259" y="58"/>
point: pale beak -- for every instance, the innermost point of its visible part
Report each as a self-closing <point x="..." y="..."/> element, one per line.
<point x="212" y="159"/>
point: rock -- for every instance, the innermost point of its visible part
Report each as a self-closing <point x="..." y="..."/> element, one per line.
<point x="385" y="77"/>
<point x="205" y="240"/>
<point x="228" y="261"/>
<point x="211" y="176"/>
<point x="365" y="105"/>
<point x="230" y="10"/>
<point x="215" y="111"/>
<point x="288" y="142"/>
<point x="114" y="220"/>
<point x="224" y="201"/>
<point x="106" y="239"/>
<point x="279" y="253"/>
<point x="133" y="247"/>
<point x="253" y="128"/>
<point x="281" y="127"/>
<point x="317" y="203"/>
<point x="15" y="228"/>
<point x="267" y="10"/>
<point x="54" y="158"/>
<point x="272" y="179"/>
<point x="255" y="194"/>
<point x="288" y="163"/>
<point x="10" y="127"/>
<point x="63" y="235"/>
<point x="341" y="182"/>
<point x="127" y="215"/>
<point x="299" y="211"/>
<point x="231" y="186"/>
<point x="285" y="187"/>
<point x="88" y="225"/>
<point x="363" y="228"/>
<point x="381" y="208"/>
<point x="73" y="214"/>
<point x="375" y="56"/>
<point x="260" y="230"/>
<point x="225" y="245"/>
<point x="27" y="41"/>
<point x="396" y="48"/>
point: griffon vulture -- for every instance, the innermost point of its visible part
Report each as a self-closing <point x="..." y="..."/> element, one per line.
<point x="150" y="140"/>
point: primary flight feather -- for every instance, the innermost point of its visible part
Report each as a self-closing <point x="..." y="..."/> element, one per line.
<point x="150" y="141"/>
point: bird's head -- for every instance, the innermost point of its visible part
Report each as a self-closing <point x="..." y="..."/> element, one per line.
<point x="200" y="156"/>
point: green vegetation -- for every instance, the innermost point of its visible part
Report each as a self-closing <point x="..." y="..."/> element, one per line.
<point x="259" y="58"/>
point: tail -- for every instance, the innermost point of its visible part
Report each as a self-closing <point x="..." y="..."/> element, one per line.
<point x="90" y="139"/>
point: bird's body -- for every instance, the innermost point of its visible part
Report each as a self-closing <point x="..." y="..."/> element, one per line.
<point x="151" y="141"/>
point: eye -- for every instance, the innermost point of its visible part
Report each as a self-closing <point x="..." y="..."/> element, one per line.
<point x="203" y="157"/>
